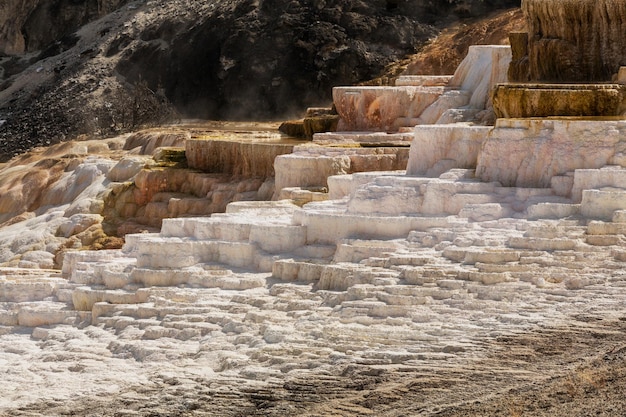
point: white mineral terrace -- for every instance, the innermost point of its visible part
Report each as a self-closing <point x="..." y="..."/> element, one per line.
<point x="489" y="232"/>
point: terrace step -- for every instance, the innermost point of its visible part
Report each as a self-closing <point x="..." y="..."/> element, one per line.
<point x="174" y="252"/>
<point x="29" y="288"/>
<point x="194" y="277"/>
<point x="47" y="313"/>
<point x="543" y="244"/>
<point x="423" y="80"/>
<point x="84" y="298"/>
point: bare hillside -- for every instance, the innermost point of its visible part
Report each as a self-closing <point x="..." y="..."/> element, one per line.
<point x="143" y="63"/>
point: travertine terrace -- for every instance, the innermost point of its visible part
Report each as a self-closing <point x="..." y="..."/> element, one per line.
<point x="276" y="308"/>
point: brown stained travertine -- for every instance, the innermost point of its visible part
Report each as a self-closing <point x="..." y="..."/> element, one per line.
<point x="518" y="70"/>
<point x="515" y="100"/>
<point x="575" y="40"/>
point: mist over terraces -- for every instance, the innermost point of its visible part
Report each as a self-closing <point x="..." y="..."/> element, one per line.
<point x="239" y="59"/>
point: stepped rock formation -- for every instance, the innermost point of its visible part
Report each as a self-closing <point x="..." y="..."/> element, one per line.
<point x="488" y="264"/>
<point x="425" y="99"/>
<point x="89" y="194"/>
<point x="569" y="42"/>
<point x="491" y="267"/>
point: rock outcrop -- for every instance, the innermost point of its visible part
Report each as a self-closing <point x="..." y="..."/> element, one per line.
<point x="575" y="40"/>
<point x="30" y="25"/>
<point x="234" y="158"/>
<point x="424" y="100"/>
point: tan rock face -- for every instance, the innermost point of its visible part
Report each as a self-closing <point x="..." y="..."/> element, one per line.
<point x="23" y="192"/>
<point x="575" y="40"/>
<point x="518" y="70"/>
<point x="544" y="100"/>
<point x="14" y="12"/>
<point x="236" y="158"/>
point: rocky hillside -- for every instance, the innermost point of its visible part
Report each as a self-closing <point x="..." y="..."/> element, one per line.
<point x="140" y="62"/>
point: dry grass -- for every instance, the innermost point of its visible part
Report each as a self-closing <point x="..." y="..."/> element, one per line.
<point x="585" y="381"/>
<point x="444" y="53"/>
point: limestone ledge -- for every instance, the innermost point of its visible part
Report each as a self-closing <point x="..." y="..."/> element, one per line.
<point x="438" y="148"/>
<point x="545" y="100"/>
<point x="423" y="80"/>
<point x="363" y="138"/>
<point x="310" y="166"/>
<point x="233" y="157"/>
<point x="378" y="108"/>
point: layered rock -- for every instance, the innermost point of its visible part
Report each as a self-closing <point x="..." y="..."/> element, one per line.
<point x="382" y="108"/>
<point x="545" y="100"/>
<point x="569" y="46"/>
<point x="518" y="70"/>
<point x="575" y="40"/>
<point x="61" y="198"/>
<point x="234" y="158"/>
<point x="309" y="167"/>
